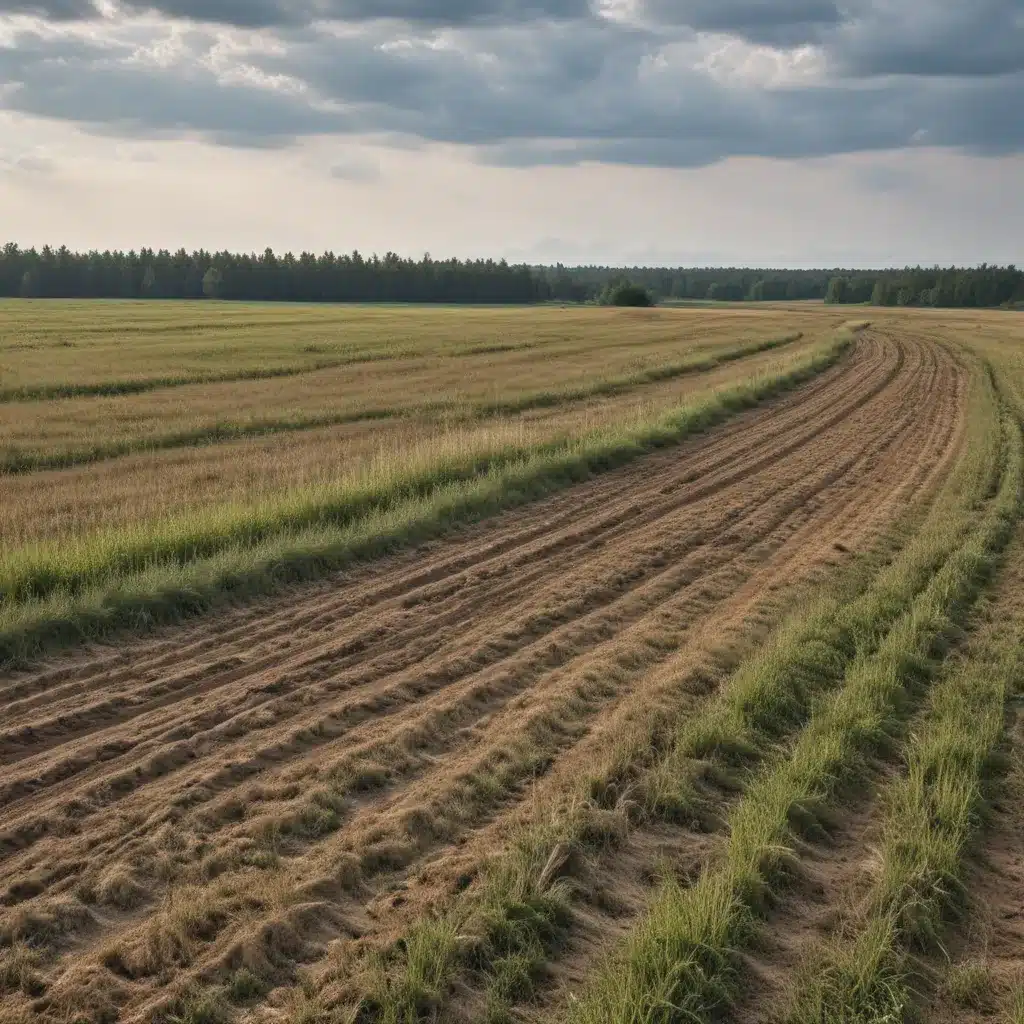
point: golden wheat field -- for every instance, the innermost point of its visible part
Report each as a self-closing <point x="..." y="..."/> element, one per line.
<point x="410" y="664"/>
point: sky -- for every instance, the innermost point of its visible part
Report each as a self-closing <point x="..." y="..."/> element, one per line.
<point x="667" y="132"/>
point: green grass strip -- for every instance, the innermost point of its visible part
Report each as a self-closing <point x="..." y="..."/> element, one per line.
<point x="139" y="385"/>
<point x="611" y="386"/>
<point x="61" y="591"/>
<point x="772" y="693"/>
<point x="934" y="811"/>
<point x="1015" y="1010"/>
<point x="676" y="965"/>
<point x="18" y="462"/>
<point x="14" y="461"/>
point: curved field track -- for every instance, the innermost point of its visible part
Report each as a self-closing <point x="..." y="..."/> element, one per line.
<point x="243" y="790"/>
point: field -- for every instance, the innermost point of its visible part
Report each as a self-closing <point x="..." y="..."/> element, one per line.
<point x="552" y="664"/>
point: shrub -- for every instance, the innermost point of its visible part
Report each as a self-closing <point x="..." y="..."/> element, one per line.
<point x="625" y="293"/>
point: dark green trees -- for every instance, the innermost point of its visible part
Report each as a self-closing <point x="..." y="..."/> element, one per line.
<point x="838" y="289"/>
<point x="625" y="293"/>
<point x="971" y="286"/>
<point x="212" y="282"/>
<point x="268" y="276"/>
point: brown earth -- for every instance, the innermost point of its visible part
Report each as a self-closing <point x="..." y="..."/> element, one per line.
<point x="326" y="765"/>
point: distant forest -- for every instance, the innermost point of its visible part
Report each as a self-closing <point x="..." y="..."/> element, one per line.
<point x="910" y="286"/>
<point x="151" y="274"/>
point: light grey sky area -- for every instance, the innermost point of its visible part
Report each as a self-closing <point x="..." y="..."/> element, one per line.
<point x="681" y="132"/>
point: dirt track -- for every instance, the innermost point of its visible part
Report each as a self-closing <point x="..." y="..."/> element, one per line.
<point x="362" y="734"/>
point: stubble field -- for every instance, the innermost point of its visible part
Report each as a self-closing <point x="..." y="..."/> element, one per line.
<point x="498" y="665"/>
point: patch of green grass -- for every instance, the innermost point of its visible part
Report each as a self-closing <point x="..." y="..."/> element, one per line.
<point x="244" y="986"/>
<point x="197" y="1006"/>
<point x="412" y="995"/>
<point x="502" y="937"/>
<point x="1015" y="1011"/>
<point x="933" y="811"/>
<point x="676" y="964"/>
<point x="969" y="984"/>
<point x="866" y="984"/>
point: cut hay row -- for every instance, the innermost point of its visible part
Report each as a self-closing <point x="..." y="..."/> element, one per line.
<point x="290" y="770"/>
<point x="932" y="816"/>
<point x="57" y="347"/>
<point x="24" y="459"/>
<point x="50" y="594"/>
<point x="157" y="485"/>
<point x="138" y="386"/>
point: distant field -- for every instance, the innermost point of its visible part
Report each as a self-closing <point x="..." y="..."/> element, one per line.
<point x="435" y="385"/>
<point x="413" y="665"/>
<point x="412" y="362"/>
<point x="109" y="346"/>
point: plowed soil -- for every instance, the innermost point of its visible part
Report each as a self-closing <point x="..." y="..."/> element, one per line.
<point x="263" y="783"/>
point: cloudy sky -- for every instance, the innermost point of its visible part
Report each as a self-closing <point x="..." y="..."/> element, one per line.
<point x="771" y="132"/>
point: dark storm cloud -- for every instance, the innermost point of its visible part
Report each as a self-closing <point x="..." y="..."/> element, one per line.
<point x="75" y="80"/>
<point x="558" y="90"/>
<point x="284" y="13"/>
<point x="240" y="13"/>
<point x="933" y="38"/>
<point x="54" y="10"/>
<point x="521" y="93"/>
<point x="516" y="82"/>
<point x="776" y="22"/>
<point x="985" y="119"/>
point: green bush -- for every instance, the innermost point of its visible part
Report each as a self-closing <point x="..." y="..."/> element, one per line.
<point x="625" y="293"/>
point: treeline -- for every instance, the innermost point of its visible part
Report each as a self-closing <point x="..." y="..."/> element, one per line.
<point x="911" y="286"/>
<point x="728" y="284"/>
<point x="981" y="286"/>
<point x="160" y="274"/>
<point x="151" y="274"/>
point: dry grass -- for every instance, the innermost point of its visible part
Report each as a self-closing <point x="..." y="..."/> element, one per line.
<point x="47" y="344"/>
<point x="603" y="397"/>
<point x="154" y="571"/>
<point x="503" y="776"/>
<point x="147" y="485"/>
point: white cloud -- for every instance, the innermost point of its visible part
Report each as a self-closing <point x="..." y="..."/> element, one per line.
<point x="734" y="61"/>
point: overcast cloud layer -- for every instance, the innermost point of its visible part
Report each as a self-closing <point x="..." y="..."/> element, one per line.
<point x="660" y="83"/>
<point x="665" y="82"/>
